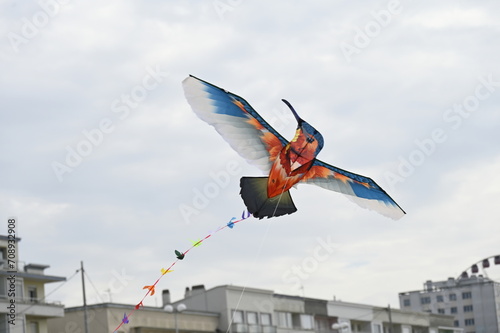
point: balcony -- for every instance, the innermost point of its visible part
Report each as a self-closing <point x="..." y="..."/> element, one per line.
<point x="4" y="265"/>
<point x="254" y="329"/>
<point x="268" y="329"/>
<point x="28" y="306"/>
<point x="29" y="272"/>
<point x="244" y="328"/>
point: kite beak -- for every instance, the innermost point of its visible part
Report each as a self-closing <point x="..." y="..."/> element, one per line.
<point x="299" y="120"/>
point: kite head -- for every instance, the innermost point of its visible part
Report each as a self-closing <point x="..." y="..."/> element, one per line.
<point x="310" y="134"/>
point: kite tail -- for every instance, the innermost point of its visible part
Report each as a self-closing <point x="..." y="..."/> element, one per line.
<point x="254" y="194"/>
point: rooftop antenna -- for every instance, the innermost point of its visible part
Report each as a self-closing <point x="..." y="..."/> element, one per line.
<point x="108" y="291"/>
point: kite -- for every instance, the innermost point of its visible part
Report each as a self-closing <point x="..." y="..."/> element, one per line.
<point x="287" y="163"/>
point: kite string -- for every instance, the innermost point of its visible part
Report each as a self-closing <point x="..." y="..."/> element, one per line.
<point x="279" y="198"/>
<point x="259" y="251"/>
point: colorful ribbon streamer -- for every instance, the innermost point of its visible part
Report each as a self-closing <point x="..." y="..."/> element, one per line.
<point x="180" y="256"/>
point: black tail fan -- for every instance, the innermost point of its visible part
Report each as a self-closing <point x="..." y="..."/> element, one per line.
<point x="254" y="194"/>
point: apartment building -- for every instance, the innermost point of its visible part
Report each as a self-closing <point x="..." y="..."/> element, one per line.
<point x="252" y="310"/>
<point x="237" y="309"/>
<point x="473" y="301"/>
<point x="105" y="318"/>
<point x="23" y="307"/>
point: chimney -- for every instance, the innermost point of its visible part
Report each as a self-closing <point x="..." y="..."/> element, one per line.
<point x="450" y="282"/>
<point x="198" y="289"/>
<point x="165" y="297"/>
<point x="187" y="293"/>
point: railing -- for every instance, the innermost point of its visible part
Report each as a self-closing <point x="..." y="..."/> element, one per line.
<point x="254" y="329"/>
<point x="239" y="328"/>
<point x="244" y="328"/>
<point x="28" y="300"/>
<point x="19" y="265"/>
<point x="268" y="329"/>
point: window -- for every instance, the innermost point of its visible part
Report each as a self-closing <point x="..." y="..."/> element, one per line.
<point x="468" y="308"/>
<point x="32" y="294"/>
<point x="453" y="297"/>
<point x="466" y="295"/>
<point x="33" y="327"/>
<point x="252" y="318"/>
<point x="469" y="322"/>
<point x="439" y="298"/>
<point x="453" y="309"/>
<point x="3" y="284"/>
<point x="238" y="317"/>
<point x="376" y="328"/>
<point x="265" y="319"/>
<point x="19" y="287"/>
<point x="3" y="257"/>
<point x="425" y="300"/>
<point x="306" y="322"/>
<point x="284" y="319"/>
<point x="456" y="323"/>
<point x="441" y="311"/>
<point x="406" y="302"/>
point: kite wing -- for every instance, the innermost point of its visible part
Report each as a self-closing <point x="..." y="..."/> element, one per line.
<point x="360" y="189"/>
<point x="238" y="123"/>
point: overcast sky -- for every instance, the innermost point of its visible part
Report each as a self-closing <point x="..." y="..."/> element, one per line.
<point x="104" y="161"/>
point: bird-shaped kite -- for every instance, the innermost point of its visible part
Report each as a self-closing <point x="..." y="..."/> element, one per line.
<point x="286" y="163"/>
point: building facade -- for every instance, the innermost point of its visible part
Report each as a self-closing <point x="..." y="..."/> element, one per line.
<point x="23" y="307"/>
<point x="473" y="301"/>
<point x="105" y="318"/>
<point x="251" y="310"/>
<point x="235" y="309"/>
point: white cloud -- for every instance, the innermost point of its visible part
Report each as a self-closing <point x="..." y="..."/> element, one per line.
<point x="455" y="17"/>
